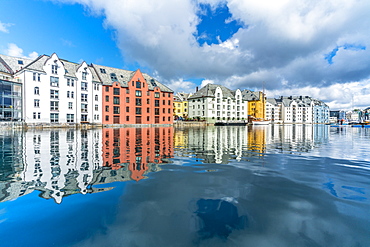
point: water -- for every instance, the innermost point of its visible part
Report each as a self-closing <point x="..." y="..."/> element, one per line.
<point x="293" y="185"/>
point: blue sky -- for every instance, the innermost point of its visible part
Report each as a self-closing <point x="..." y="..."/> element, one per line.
<point x="302" y="47"/>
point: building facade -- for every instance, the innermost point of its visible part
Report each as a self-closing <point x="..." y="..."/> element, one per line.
<point x="181" y="106"/>
<point x="214" y="103"/>
<point x="132" y="97"/>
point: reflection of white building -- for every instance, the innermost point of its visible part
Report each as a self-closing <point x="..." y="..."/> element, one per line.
<point x="54" y="157"/>
<point x="218" y="144"/>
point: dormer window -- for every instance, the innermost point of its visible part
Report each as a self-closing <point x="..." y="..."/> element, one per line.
<point x="54" y="69"/>
<point x="113" y="77"/>
<point x="84" y="74"/>
<point x="20" y="62"/>
<point x="102" y="71"/>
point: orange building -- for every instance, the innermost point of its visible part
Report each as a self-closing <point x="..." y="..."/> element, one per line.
<point x="132" y="97"/>
<point x="137" y="149"/>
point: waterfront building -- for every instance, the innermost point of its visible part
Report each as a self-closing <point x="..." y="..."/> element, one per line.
<point x="214" y="103"/>
<point x="57" y="91"/>
<point x="273" y="110"/>
<point x="181" y="105"/>
<point x="256" y="103"/>
<point x="303" y="109"/>
<point x="132" y="97"/>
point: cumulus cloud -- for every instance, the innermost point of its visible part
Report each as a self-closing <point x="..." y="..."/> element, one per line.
<point x="15" y="51"/>
<point x="283" y="43"/>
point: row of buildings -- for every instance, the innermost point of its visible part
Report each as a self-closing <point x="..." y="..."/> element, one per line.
<point x="50" y="90"/>
<point x="214" y="103"/>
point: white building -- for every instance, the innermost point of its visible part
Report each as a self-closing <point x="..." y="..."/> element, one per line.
<point x="57" y="91"/>
<point x="297" y="109"/>
<point x="217" y="103"/>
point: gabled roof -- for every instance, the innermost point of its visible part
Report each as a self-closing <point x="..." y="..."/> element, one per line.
<point x="125" y="76"/>
<point x="250" y="95"/>
<point x="13" y="64"/>
<point x="209" y="91"/>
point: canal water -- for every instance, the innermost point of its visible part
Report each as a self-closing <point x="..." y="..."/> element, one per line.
<point x="292" y="185"/>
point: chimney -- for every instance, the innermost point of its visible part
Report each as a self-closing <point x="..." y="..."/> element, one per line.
<point x="196" y="89"/>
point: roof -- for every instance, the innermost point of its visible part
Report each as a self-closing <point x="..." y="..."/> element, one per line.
<point x="108" y="75"/>
<point x="250" y="95"/>
<point x="13" y="64"/>
<point x="209" y="91"/>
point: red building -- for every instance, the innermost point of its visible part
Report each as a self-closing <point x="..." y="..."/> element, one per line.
<point x="132" y="97"/>
<point x="139" y="150"/>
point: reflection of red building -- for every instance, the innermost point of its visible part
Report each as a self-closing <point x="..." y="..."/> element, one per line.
<point x="134" y="98"/>
<point x="136" y="148"/>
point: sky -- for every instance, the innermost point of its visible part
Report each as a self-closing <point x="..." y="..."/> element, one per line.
<point x="284" y="47"/>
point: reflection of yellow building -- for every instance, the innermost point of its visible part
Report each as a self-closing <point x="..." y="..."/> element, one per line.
<point x="181" y="138"/>
<point x="257" y="139"/>
<point x="181" y="105"/>
<point x="256" y="103"/>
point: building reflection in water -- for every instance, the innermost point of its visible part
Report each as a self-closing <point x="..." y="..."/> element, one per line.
<point x="221" y="144"/>
<point x="61" y="162"/>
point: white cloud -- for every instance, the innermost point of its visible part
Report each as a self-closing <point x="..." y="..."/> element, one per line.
<point x="4" y="27"/>
<point x="283" y="42"/>
<point x="15" y="51"/>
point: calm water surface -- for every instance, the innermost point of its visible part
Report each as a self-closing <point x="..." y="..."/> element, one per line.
<point x="293" y="185"/>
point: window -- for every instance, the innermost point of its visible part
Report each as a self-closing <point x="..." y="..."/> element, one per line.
<point x="72" y="94"/>
<point x="84" y="74"/>
<point x="70" y="118"/>
<point x="138" y="84"/>
<point x="127" y="109"/>
<point x="68" y="94"/>
<point x="83" y="118"/>
<point x="113" y="77"/>
<point x="54" y="81"/>
<point x="138" y="110"/>
<point x="84" y="86"/>
<point x="70" y="105"/>
<point x="106" y="89"/>
<point x="96" y="86"/>
<point x="116" y="91"/>
<point x="54" y="105"/>
<point x="34" y="115"/>
<point x="127" y="118"/>
<point x="54" y="117"/>
<point x="156" y="111"/>
<point x="68" y="82"/>
<point x="156" y="102"/>
<point x="83" y="108"/>
<point x="54" y="69"/>
<point x="106" y="108"/>
<point x="116" y="100"/>
<point x="54" y="94"/>
<point x="169" y="102"/>
<point x="102" y="71"/>
<point x="38" y="115"/>
<point x="96" y="107"/>
<point x="83" y="97"/>
<point x="138" y="93"/>
<point x="127" y="91"/>
<point x="96" y="97"/>
<point x="20" y="62"/>
<point x="138" y="102"/>
<point x="36" y="76"/>
<point x="37" y="90"/>
<point x="127" y="100"/>
<point x="106" y="118"/>
<point x="148" y="93"/>
<point x="163" y="102"/>
<point x="148" y="101"/>
<point x="156" y="95"/>
<point x="37" y="103"/>
<point x="116" y="109"/>
<point x="148" y="110"/>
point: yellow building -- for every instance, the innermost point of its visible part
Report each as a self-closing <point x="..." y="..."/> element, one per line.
<point x="181" y="105"/>
<point x="256" y="103"/>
